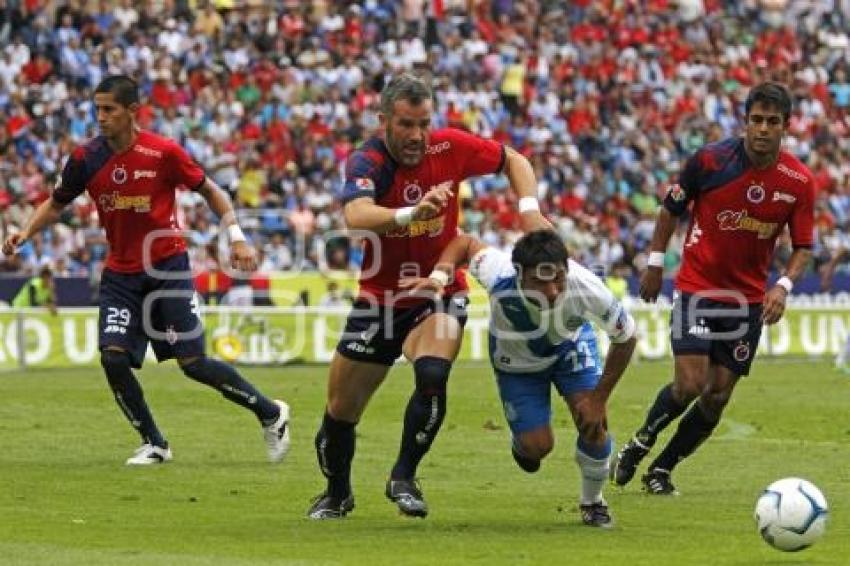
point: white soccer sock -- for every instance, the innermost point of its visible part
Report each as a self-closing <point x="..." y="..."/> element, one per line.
<point x="594" y="473"/>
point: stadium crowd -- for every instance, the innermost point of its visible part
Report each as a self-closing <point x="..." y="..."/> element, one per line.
<point x="605" y="97"/>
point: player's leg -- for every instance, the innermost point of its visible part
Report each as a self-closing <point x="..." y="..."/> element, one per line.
<point x="730" y="358"/>
<point x="122" y="345"/>
<point x="363" y="357"/>
<point x="690" y="374"/>
<point x="527" y="405"/>
<point x="176" y="331"/>
<point x="576" y="375"/>
<point x="432" y="345"/>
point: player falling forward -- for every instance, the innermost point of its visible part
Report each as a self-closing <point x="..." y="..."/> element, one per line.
<point x="399" y="191"/>
<point x="744" y="192"/>
<point x="541" y="302"/>
<point x="146" y="292"/>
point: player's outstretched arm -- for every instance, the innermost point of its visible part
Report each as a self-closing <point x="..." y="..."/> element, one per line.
<point x="242" y="256"/>
<point x="459" y="252"/>
<point x="650" y="281"/>
<point x="524" y="182"/>
<point x="46" y="214"/>
<point x="364" y="214"/>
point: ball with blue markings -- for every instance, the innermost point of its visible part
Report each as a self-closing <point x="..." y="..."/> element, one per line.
<point x="791" y="514"/>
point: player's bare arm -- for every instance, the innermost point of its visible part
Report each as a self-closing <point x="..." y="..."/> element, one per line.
<point x="242" y="256"/>
<point x="774" y="299"/>
<point x="650" y="281"/>
<point x="364" y="214"/>
<point x="522" y="178"/>
<point x="459" y="252"/>
<point x="592" y="413"/>
<point x="46" y="214"/>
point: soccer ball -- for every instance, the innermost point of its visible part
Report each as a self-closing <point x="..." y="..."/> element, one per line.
<point x="791" y="514"/>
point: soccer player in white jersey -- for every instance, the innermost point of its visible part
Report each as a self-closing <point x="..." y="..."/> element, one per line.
<point x="541" y="304"/>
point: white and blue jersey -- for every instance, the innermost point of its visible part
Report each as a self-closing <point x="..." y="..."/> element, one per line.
<point x="532" y="349"/>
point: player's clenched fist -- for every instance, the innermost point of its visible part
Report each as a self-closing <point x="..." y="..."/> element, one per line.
<point x="432" y="203"/>
<point x="243" y="257"/>
<point x="12" y="243"/>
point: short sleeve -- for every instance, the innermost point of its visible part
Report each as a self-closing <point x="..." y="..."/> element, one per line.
<point x="477" y="155"/>
<point x="605" y="308"/>
<point x="185" y="170"/>
<point x="72" y="182"/>
<point x="360" y="172"/>
<point x="489" y="266"/>
<point x="681" y="193"/>
<point x="802" y="223"/>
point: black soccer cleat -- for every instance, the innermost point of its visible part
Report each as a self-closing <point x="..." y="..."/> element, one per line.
<point x="529" y="465"/>
<point x="596" y="515"/>
<point x="657" y="482"/>
<point x="328" y="507"/>
<point x="408" y="496"/>
<point x="626" y="461"/>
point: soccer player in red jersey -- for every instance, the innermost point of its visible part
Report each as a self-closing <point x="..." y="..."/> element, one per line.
<point x="146" y="291"/>
<point x="744" y="191"/>
<point x="400" y="192"/>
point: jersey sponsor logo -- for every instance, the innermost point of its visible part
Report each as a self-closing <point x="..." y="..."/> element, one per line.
<point x="438" y="148"/>
<point x="755" y="194"/>
<point x="738" y="220"/>
<point x="785" y="170"/>
<point x="119" y="175"/>
<point x="412" y="193"/>
<point x="779" y="196"/>
<point x="143" y="174"/>
<point x="115" y="201"/>
<point x="677" y="193"/>
<point x="364" y="184"/>
<point x="431" y="228"/>
<point x="148" y="151"/>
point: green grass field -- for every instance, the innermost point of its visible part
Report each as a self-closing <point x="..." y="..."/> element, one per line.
<point x="67" y="498"/>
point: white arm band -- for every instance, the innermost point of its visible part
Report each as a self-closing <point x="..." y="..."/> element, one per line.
<point x="656" y="259"/>
<point x="441" y="276"/>
<point x="404" y="216"/>
<point x="528" y="204"/>
<point x="785" y="283"/>
<point x="235" y="233"/>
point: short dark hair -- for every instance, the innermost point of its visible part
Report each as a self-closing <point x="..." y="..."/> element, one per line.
<point x="121" y="87"/>
<point x="770" y="94"/>
<point x="404" y="87"/>
<point x="538" y="247"/>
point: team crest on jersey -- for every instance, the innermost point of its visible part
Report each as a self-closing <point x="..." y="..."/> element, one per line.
<point x="364" y="184"/>
<point x="677" y="193"/>
<point x="755" y="194"/>
<point x="119" y="175"/>
<point x="741" y="352"/>
<point x="412" y="193"/>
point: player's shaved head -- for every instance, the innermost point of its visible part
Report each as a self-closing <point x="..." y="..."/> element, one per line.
<point x="539" y="248"/>
<point x="770" y="94"/>
<point x="123" y="89"/>
<point x="404" y="87"/>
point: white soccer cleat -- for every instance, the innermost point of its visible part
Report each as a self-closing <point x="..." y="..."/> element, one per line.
<point x="277" y="434"/>
<point x="148" y="454"/>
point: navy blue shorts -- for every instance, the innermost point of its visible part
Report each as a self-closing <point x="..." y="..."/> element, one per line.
<point x="376" y="333"/>
<point x="161" y="308"/>
<point x="699" y="325"/>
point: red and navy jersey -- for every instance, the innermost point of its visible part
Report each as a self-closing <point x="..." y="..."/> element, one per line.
<point x="738" y="212"/>
<point x="412" y="251"/>
<point x="134" y="194"/>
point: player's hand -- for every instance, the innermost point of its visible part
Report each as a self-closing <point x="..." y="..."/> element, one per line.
<point x="432" y="204"/>
<point x="421" y="286"/>
<point x="243" y="257"/>
<point x="650" y="283"/>
<point x="533" y="220"/>
<point x="12" y="243"/>
<point x="774" y="305"/>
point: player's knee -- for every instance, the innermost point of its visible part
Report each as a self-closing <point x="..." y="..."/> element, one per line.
<point x="432" y="375"/>
<point x="200" y="369"/>
<point x="686" y="387"/>
<point x="116" y="365"/>
<point x="714" y="400"/>
<point x="537" y="444"/>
